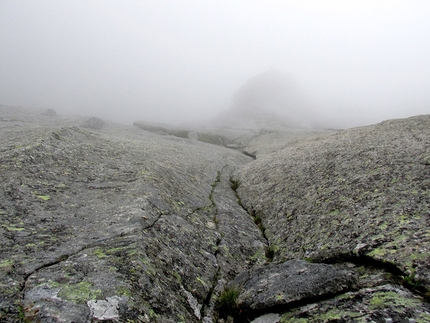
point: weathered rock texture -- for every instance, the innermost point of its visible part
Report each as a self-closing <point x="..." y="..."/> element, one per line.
<point x="289" y="282"/>
<point x="118" y="224"/>
<point x="361" y="195"/>
<point x="148" y="221"/>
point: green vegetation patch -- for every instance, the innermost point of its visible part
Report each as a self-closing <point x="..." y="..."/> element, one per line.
<point x="393" y="300"/>
<point x="201" y="281"/>
<point x="44" y="197"/>
<point x="122" y="290"/>
<point x="227" y="300"/>
<point x="13" y="228"/>
<point x="424" y="317"/>
<point x="79" y="293"/>
<point x="6" y="265"/>
<point x="99" y="253"/>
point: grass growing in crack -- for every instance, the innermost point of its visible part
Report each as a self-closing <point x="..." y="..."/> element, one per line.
<point x="234" y="184"/>
<point x="416" y="285"/>
<point x="258" y="221"/>
<point x="217" y="180"/>
<point x="227" y="300"/>
<point x="411" y="282"/>
<point x="270" y="252"/>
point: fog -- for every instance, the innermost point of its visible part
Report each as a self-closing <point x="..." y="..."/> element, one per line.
<point x="355" y="62"/>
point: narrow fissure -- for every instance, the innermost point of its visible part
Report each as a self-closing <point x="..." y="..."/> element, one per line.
<point x="206" y="306"/>
<point x="149" y="226"/>
<point x="270" y="250"/>
<point x="394" y="274"/>
<point x="66" y="256"/>
<point x="248" y="315"/>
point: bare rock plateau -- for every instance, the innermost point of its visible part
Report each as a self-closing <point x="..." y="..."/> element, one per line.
<point x="150" y="223"/>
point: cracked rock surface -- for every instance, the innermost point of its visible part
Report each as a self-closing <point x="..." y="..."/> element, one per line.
<point x="118" y="224"/>
<point x="360" y="195"/>
<point x="91" y="218"/>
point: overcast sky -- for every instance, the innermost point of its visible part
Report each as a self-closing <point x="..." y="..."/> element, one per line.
<point x="164" y="60"/>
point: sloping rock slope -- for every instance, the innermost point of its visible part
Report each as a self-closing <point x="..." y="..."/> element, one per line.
<point x="95" y="226"/>
<point x="117" y="224"/>
<point x="360" y="196"/>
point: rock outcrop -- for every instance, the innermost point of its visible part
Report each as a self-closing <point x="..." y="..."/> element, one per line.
<point x="359" y="196"/>
<point x="119" y="224"/>
<point x="93" y="123"/>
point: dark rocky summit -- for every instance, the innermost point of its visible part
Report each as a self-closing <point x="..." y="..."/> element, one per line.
<point x="121" y="224"/>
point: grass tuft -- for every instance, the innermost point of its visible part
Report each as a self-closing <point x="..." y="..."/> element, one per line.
<point x="227" y="300"/>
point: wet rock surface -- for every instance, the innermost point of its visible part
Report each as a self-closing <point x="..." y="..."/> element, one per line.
<point x="119" y="224"/>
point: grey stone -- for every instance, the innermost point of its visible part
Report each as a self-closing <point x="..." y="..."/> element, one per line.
<point x="105" y="309"/>
<point x="267" y="318"/>
<point x="93" y="123"/>
<point x="294" y="280"/>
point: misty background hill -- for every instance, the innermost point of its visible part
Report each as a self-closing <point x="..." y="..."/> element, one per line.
<point x="270" y="96"/>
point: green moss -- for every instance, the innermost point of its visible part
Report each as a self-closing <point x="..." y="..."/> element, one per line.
<point x="177" y="276"/>
<point x="13" y="228"/>
<point x="201" y="281"/>
<point x="280" y="297"/>
<point x="331" y="315"/>
<point x="334" y="212"/>
<point x="118" y="249"/>
<point x="152" y="314"/>
<point x="377" y="253"/>
<point x="383" y="226"/>
<point x="99" y="253"/>
<point x="382" y="300"/>
<point x="122" y="290"/>
<point x="418" y="256"/>
<point x="6" y="265"/>
<point x="424" y="318"/>
<point x="79" y="293"/>
<point x="293" y="320"/>
<point x="259" y="255"/>
<point x="44" y="197"/>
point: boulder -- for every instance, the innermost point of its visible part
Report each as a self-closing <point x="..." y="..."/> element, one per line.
<point x="93" y="123"/>
<point x="276" y="285"/>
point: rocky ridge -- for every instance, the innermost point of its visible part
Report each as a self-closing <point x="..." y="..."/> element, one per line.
<point x="118" y="224"/>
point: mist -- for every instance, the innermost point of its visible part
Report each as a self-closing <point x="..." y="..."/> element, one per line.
<point x="355" y="62"/>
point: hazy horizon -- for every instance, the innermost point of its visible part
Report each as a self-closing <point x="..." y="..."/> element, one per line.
<point x="356" y="63"/>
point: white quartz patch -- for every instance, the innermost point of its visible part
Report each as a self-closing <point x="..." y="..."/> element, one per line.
<point x="105" y="309"/>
